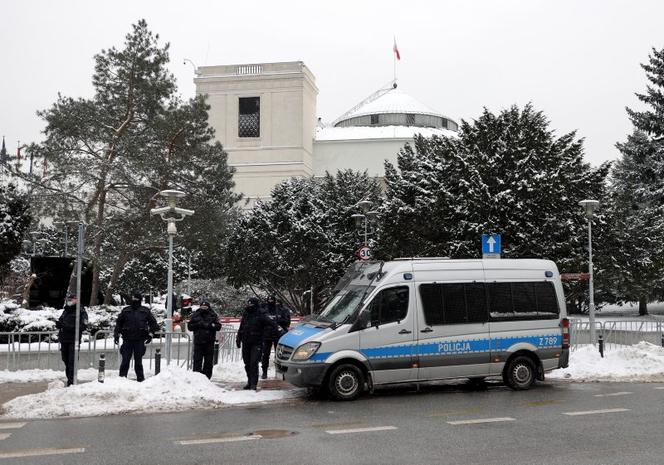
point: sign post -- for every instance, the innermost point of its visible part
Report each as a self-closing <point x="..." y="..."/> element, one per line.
<point x="364" y="253"/>
<point x="491" y="245"/>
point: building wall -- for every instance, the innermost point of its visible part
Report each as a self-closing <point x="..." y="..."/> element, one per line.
<point x="287" y="94"/>
<point x="359" y="155"/>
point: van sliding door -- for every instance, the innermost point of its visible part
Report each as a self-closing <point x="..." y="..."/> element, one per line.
<point x="453" y="331"/>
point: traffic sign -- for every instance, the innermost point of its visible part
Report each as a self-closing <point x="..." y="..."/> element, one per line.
<point x="364" y="253"/>
<point x="574" y="276"/>
<point x="491" y="244"/>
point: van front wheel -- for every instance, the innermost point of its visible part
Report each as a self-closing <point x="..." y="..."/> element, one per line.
<point x="345" y="382"/>
<point x="519" y="373"/>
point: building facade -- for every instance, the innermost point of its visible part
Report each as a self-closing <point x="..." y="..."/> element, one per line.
<point x="265" y="117"/>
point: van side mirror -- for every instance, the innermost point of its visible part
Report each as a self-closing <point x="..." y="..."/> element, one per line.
<point x="363" y="320"/>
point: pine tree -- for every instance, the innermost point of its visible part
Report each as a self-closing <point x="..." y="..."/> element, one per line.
<point x="110" y="155"/>
<point x="302" y="239"/>
<point x="505" y="173"/>
<point x="15" y="218"/>
<point x="637" y="192"/>
<point x="651" y="121"/>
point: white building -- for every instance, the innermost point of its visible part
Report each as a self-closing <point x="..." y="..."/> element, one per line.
<point x="265" y="117"/>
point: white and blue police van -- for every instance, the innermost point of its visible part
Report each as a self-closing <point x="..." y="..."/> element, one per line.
<point x="424" y="319"/>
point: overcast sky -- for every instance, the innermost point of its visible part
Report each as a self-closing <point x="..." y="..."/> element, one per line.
<point x="578" y="61"/>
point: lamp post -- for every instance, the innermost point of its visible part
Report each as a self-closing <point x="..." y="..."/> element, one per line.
<point x="34" y="235"/>
<point x="171" y="214"/>
<point x="66" y="232"/>
<point x="363" y="219"/>
<point x="589" y="207"/>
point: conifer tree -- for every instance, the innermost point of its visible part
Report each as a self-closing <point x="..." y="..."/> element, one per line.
<point x="506" y="173"/>
<point x="302" y="239"/>
<point x="15" y="218"/>
<point x="108" y="156"/>
<point x="637" y="192"/>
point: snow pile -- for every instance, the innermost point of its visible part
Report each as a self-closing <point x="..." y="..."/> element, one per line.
<point x="643" y="362"/>
<point x="21" y="319"/>
<point x="174" y="389"/>
<point x="102" y="317"/>
<point x="33" y="376"/>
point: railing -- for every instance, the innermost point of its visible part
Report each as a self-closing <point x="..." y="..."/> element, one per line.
<point x="40" y="349"/>
<point x="617" y="333"/>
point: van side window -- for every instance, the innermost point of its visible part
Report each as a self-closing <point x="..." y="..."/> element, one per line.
<point x="389" y="305"/>
<point x="453" y="303"/>
<point x="522" y="301"/>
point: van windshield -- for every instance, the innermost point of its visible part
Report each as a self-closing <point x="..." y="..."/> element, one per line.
<point x="350" y="292"/>
<point x="343" y="305"/>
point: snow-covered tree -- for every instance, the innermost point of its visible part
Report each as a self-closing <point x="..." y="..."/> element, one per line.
<point x="301" y="239"/>
<point x="105" y="159"/>
<point x="506" y="173"/>
<point x="637" y="190"/>
<point x="15" y="218"/>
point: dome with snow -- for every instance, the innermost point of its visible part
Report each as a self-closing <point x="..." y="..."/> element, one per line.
<point x="392" y="107"/>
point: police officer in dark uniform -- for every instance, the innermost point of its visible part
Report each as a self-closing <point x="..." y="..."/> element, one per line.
<point x="281" y="316"/>
<point x="253" y="326"/>
<point x="204" y="323"/>
<point x="137" y="325"/>
<point x="67" y="326"/>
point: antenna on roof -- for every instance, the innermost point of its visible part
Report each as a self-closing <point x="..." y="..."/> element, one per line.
<point x="390" y="86"/>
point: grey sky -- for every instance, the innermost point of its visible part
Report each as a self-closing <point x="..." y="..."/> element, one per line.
<point x="578" y="61"/>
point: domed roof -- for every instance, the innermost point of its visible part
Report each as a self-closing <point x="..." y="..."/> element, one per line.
<point x="392" y="107"/>
<point x="394" y="101"/>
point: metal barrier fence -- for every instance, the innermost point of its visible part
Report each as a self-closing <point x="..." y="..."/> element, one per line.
<point x="41" y="350"/>
<point x="617" y="333"/>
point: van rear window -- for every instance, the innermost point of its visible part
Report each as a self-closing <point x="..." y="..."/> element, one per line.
<point x="522" y="301"/>
<point x="458" y="303"/>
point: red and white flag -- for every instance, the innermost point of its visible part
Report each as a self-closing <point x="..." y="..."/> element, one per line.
<point x="396" y="50"/>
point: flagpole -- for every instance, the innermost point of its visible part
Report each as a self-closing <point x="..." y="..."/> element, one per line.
<point x="394" y="60"/>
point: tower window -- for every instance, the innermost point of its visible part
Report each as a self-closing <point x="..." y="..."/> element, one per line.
<point x="410" y="119"/>
<point x="374" y="119"/>
<point x="249" y="117"/>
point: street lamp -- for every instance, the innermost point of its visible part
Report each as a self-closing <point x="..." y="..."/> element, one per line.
<point x="589" y="207"/>
<point x="363" y="219"/>
<point x="34" y="235"/>
<point x="66" y="232"/>
<point x="171" y="215"/>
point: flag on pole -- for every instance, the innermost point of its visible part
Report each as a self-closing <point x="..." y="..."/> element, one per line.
<point x="396" y="49"/>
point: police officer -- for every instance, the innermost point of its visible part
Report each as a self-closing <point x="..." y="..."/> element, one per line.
<point x="281" y="316"/>
<point x="137" y="325"/>
<point x="204" y="323"/>
<point x="253" y="326"/>
<point x="67" y="326"/>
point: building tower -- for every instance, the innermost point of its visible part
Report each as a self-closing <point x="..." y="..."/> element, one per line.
<point x="265" y="117"/>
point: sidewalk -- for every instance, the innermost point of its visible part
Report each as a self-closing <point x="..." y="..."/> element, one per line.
<point x="9" y="391"/>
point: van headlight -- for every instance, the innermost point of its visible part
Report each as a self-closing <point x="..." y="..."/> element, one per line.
<point x="305" y="351"/>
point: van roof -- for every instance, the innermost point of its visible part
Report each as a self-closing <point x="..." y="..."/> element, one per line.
<point x="488" y="262"/>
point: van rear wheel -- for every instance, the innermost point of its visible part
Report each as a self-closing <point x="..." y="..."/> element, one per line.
<point x="345" y="382"/>
<point x="520" y="373"/>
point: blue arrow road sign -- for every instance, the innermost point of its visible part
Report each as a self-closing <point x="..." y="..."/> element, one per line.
<point x="491" y="243"/>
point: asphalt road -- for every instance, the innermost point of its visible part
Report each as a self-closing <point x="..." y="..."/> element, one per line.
<point x="554" y="423"/>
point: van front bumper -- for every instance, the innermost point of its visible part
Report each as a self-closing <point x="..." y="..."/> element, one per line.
<point x="303" y="374"/>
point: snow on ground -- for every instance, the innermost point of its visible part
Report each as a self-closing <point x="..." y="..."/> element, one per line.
<point x="643" y="362"/>
<point x="174" y="389"/>
<point x="31" y="376"/>
<point x="223" y="373"/>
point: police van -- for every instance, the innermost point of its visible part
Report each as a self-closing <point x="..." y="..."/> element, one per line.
<point x="425" y="319"/>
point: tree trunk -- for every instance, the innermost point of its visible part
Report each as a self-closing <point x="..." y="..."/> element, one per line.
<point x="96" y="252"/>
<point x="117" y="270"/>
<point x="643" y="306"/>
